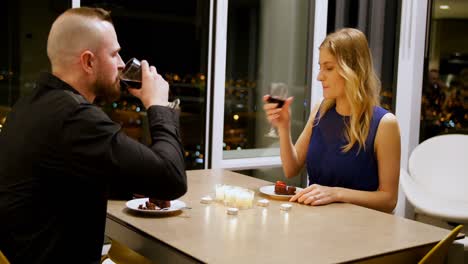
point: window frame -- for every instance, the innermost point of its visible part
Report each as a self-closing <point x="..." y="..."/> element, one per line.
<point x="413" y="36"/>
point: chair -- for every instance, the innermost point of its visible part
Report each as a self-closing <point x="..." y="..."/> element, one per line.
<point x="437" y="182"/>
<point x="119" y="253"/>
<point x="3" y="259"/>
<point x="439" y="252"/>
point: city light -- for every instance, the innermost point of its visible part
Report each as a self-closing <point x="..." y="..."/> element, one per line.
<point x="236" y="117"/>
<point x="445" y="7"/>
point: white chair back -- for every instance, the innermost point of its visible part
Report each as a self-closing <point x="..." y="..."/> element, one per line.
<point x="440" y="165"/>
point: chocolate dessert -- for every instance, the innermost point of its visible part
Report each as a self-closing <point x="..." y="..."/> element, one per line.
<point x="283" y="189"/>
<point x="160" y="203"/>
<point x="154" y="204"/>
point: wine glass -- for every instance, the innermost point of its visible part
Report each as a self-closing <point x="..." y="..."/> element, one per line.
<point x="278" y="95"/>
<point x="131" y="78"/>
<point x="131" y="74"/>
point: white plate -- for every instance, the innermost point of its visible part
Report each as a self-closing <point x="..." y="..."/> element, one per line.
<point x="270" y="191"/>
<point x="176" y="205"/>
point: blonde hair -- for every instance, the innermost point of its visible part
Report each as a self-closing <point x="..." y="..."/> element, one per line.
<point x="362" y="86"/>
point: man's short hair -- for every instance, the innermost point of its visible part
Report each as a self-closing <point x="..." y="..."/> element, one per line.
<point x="72" y="32"/>
<point x="91" y="12"/>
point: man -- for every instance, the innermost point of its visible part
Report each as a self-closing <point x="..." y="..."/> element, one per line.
<point x="58" y="151"/>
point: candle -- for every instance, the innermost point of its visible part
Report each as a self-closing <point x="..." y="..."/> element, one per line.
<point x="230" y="196"/>
<point x="206" y="200"/>
<point x="286" y="207"/>
<point x="232" y="211"/>
<point x="234" y="196"/>
<point x="219" y="190"/>
<point x="263" y="202"/>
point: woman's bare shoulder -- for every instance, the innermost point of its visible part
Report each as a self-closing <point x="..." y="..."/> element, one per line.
<point x="388" y="129"/>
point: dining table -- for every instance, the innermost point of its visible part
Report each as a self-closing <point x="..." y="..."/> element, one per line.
<point x="204" y="232"/>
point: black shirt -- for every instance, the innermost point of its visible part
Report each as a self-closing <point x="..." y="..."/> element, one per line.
<point x="59" y="155"/>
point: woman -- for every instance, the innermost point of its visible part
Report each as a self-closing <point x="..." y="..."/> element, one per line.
<point x="350" y="145"/>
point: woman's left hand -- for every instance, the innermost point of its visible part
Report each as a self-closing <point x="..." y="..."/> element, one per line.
<point x="316" y="195"/>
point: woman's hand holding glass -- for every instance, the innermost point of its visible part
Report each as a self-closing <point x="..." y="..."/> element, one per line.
<point x="278" y="94"/>
<point x="278" y="117"/>
<point x="317" y="195"/>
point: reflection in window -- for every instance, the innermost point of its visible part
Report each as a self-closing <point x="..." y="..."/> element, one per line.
<point x="266" y="45"/>
<point x="173" y="36"/>
<point x="444" y="102"/>
<point x="379" y="20"/>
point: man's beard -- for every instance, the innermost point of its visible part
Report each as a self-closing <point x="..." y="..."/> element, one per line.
<point x="107" y="92"/>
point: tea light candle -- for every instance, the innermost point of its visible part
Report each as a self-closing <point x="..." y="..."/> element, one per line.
<point x="219" y="189"/>
<point x="234" y="196"/>
<point x="230" y="196"/>
<point x="206" y="200"/>
<point x="286" y="207"/>
<point x="242" y="199"/>
<point x="232" y="211"/>
<point x="263" y="202"/>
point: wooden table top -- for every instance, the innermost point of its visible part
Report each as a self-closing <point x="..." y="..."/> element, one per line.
<point x="323" y="234"/>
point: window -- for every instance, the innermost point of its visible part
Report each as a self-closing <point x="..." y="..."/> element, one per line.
<point x="172" y="36"/>
<point x="23" y="47"/>
<point x="379" y="20"/>
<point x="258" y="44"/>
<point x="266" y="44"/>
<point x="444" y="102"/>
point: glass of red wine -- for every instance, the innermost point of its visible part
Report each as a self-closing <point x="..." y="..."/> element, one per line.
<point x="131" y="74"/>
<point x="131" y="78"/>
<point x="278" y="95"/>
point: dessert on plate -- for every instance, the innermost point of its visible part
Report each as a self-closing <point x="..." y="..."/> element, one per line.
<point x="282" y="189"/>
<point x="154" y="204"/>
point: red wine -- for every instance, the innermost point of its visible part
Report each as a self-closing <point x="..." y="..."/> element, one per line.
<point x="131" y="83"/>
<point x="276" y="100"/>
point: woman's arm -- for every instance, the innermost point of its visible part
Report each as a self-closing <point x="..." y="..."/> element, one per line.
<point x="293" y="156"/>
<point x="387" y="150"/>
